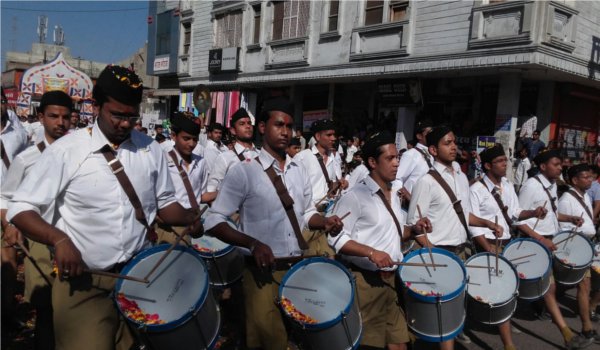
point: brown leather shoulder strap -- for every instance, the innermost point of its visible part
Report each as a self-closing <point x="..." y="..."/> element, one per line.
<point x="552" y="199"/>
<point x="5" y="159"/>
<point x="119" y="171"/>
<point x="239" y="155"/>
<point x="455" y="202"/>
<point x="287" y="202"/>
<point x="498" y="198"/>
<point x="580" y="200"/>
<point x="41" y="146"/>
<point x="324" y="170"/>
<point x="389" y="209"/>
<point x="425" y="156"/>
<point x="186" y="180"/>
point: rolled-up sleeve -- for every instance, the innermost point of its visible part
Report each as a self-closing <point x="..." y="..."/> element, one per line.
<point x="217" y="174"/>
<point x="476" y="201"/>
<point x="527" y="198"/>
<point x="347" y="203"/>
<point x="420" y="197"/>
<point x="164" y="189"/>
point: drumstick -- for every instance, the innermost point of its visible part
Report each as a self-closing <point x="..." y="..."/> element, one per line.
<point x="425" y="235"/>
<point x="345" y="215"/>
<point x="164" y="256"/>
<point x="301" y="288"/>
<point x="523" y="257"/>
<point x="325" y="196"/>
<point x="34" y="263"/>
<point x="115" y="275"/>
<point x="497" y="244"/>
<point x="479" y="266"/>
<point x="400" y="263"/>
<point x="538" y="218"/>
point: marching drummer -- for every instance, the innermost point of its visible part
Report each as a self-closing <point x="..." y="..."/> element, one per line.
<point x="576" y="202"/>
<point x="97" y="227"/>
<point x="272" y="230"/>
<point x="493" y="198"/>
<point x="442" y="195"/>
<point x="188" y="171"/>
<point x="323" y="171"/>
<point x="371" y="243"/>
<point x="541" y="190"/>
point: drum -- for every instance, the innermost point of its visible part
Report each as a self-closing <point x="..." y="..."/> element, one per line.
<point x="408" y="246"/>
<point x="176" y="309"/>
<point x="434" y="299"/>
<point x="596" y="268"/>
<point x="225" y="262"/>
<point x="491" y="298"/>
<point x="532" y="260"/>
<point x="572" y="257"/>
<point x="317" y="296"/>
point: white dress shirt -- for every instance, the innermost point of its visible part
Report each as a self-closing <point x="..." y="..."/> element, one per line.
<point x="168" y="145"/>
<point x="368" y="223"/>
<point x="351" y="150"/>
<point x="226" y="160"/>
<point x="14" y="141"/>
<point x="248" y="188"/>
<point x="531" y="196"/>
<point x="93" y="210"/>
<point x="569" y="205"/>
<point x="14" y="119"/>
<point x="435" y="204"/>
<point x="315" y="173"/>
<point x="412" y="167"/>
<point x="484" y="205"/>
<point x="357" y="175"/>
<point x="521" y="172"/>
<point x="196" y="172"/>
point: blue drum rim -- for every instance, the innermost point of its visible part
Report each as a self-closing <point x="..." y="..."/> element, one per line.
<point x="548" y="271"/>
<point x="578" y="267"/>
<point x="304" y="262"/>
<point x="433" y="299"/>
<point x="515" y="294"/>
<point x="188" y="315"/>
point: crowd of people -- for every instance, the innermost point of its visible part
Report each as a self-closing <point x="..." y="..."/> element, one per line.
<point x="83" y="201"/>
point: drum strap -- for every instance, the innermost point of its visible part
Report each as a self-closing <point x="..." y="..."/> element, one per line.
<point x="580" y="200"/>
<point x="425" y="156"/>
<point x="186" y="181"/>
<point x="41" y="146"/>
<point x="324" y="170"/>
<point x="389" y="208"/>
<point x="455" y="202"/>
<point x="119" y="171"/>
<point x="501" y="205"/>
<point x="552" y="199"/>
<point x="239" y="155"/>
<point x="4" y="155"/>
<point x="287" y="202"/>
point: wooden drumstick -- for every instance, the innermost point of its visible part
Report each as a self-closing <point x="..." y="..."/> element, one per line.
<point x="570" y="234"/>
<point x="426" y="239"/>
<point x="497" y="243"/>
<point x="400" y="263"/>
<point x="34" y="263"/>
<point x="523" y="257"/>
<point x="345" y="216"/>
<point x="116" y="275"/>
<point x="325" y="196"/>
<point x="538" y="218"/>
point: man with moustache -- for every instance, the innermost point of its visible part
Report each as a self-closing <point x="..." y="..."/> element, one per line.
<point x="99" y="224"/>
<point x="271" y="230"/>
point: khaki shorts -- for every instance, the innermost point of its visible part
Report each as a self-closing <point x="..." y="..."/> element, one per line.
<point x="317" y="243"/>
<point x="383" y="320"/>
<point x="34" y="281"/>
<point x="166" y="234"/>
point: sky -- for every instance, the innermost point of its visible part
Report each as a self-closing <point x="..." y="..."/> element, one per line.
<point x="102" y="31"/>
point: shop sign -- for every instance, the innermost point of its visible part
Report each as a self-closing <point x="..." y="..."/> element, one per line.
<point x="161" y="63"/>
<point x="214" y="60"/>
<point x="399" y="92"/>
<point x="223" y="60"/>
<point x="11" y="96"/>
<point x="484" y="142"/>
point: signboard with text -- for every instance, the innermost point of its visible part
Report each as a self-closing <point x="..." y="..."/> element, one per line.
<point x="223" y="60"/>
<point x="161" y="64"/>
<point x="484" y="142"/>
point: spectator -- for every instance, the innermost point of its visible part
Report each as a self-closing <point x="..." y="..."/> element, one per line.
<point x="534" y="145"/>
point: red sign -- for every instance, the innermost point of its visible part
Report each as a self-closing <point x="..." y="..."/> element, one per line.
<point x="11" y="96"/>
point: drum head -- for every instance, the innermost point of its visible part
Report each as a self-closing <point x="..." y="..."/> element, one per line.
<point x="176" y="289"/>
<point x="209" y="246"/>
<point x="532" y="267"/>
<point x="576" y="251"/>
<point x="445" y="282"/>
<point x="320" y="288"/>
<point x="485" y="286"/>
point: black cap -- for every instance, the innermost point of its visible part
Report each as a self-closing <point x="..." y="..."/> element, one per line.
<point x="545" y="156"/>
<point x="281" y="104"/>
<point x="322" y="125"/>
<point x="376" y="140"/>
<point x="437" y="134"/>
<point x="215" y="126"/>
<point x="295" y="141"/>
<point x="239" y="114"/>
<point x="56" y="98"/>
<point x="180" y="122"/>
<point x="423" y="124"/>
<point x="489" y="154"/>
<point x="577" y="169"/>
<point x="120" y="83"/>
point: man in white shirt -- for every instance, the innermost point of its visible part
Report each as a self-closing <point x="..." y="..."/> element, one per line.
<point x="576" y="202"/>
<point x="214" y="146"/>
<point x="188" y="172"/>
<point x="522" y="165"/>
<point x="352" y="148"/>
<point x="96" y="226"/>
<point x="243" y="150"/>
<point x="541" y="190"/>
<point x="54" y="112"/>
<point x="270" y="234"/>
<point x="493" y="198"/>
<point x="324" y="174"/>
<point x="370" y="243"/>
<point x="294" y="147"/>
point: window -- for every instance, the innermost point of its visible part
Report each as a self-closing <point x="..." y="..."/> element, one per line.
<point x="334" y="8"/>
<point x="163" y="33"/>
<point x="290" y="19"/>
<point x="229" y="30"/>
<point x="398" y="10"/>
<point x="256" y="34"/>
<point x="374" y="12"/>
<point x="187" y="36"/>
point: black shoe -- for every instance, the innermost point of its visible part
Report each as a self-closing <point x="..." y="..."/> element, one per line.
<point x="593" y="335"/>
<point x="578" y="342"/>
